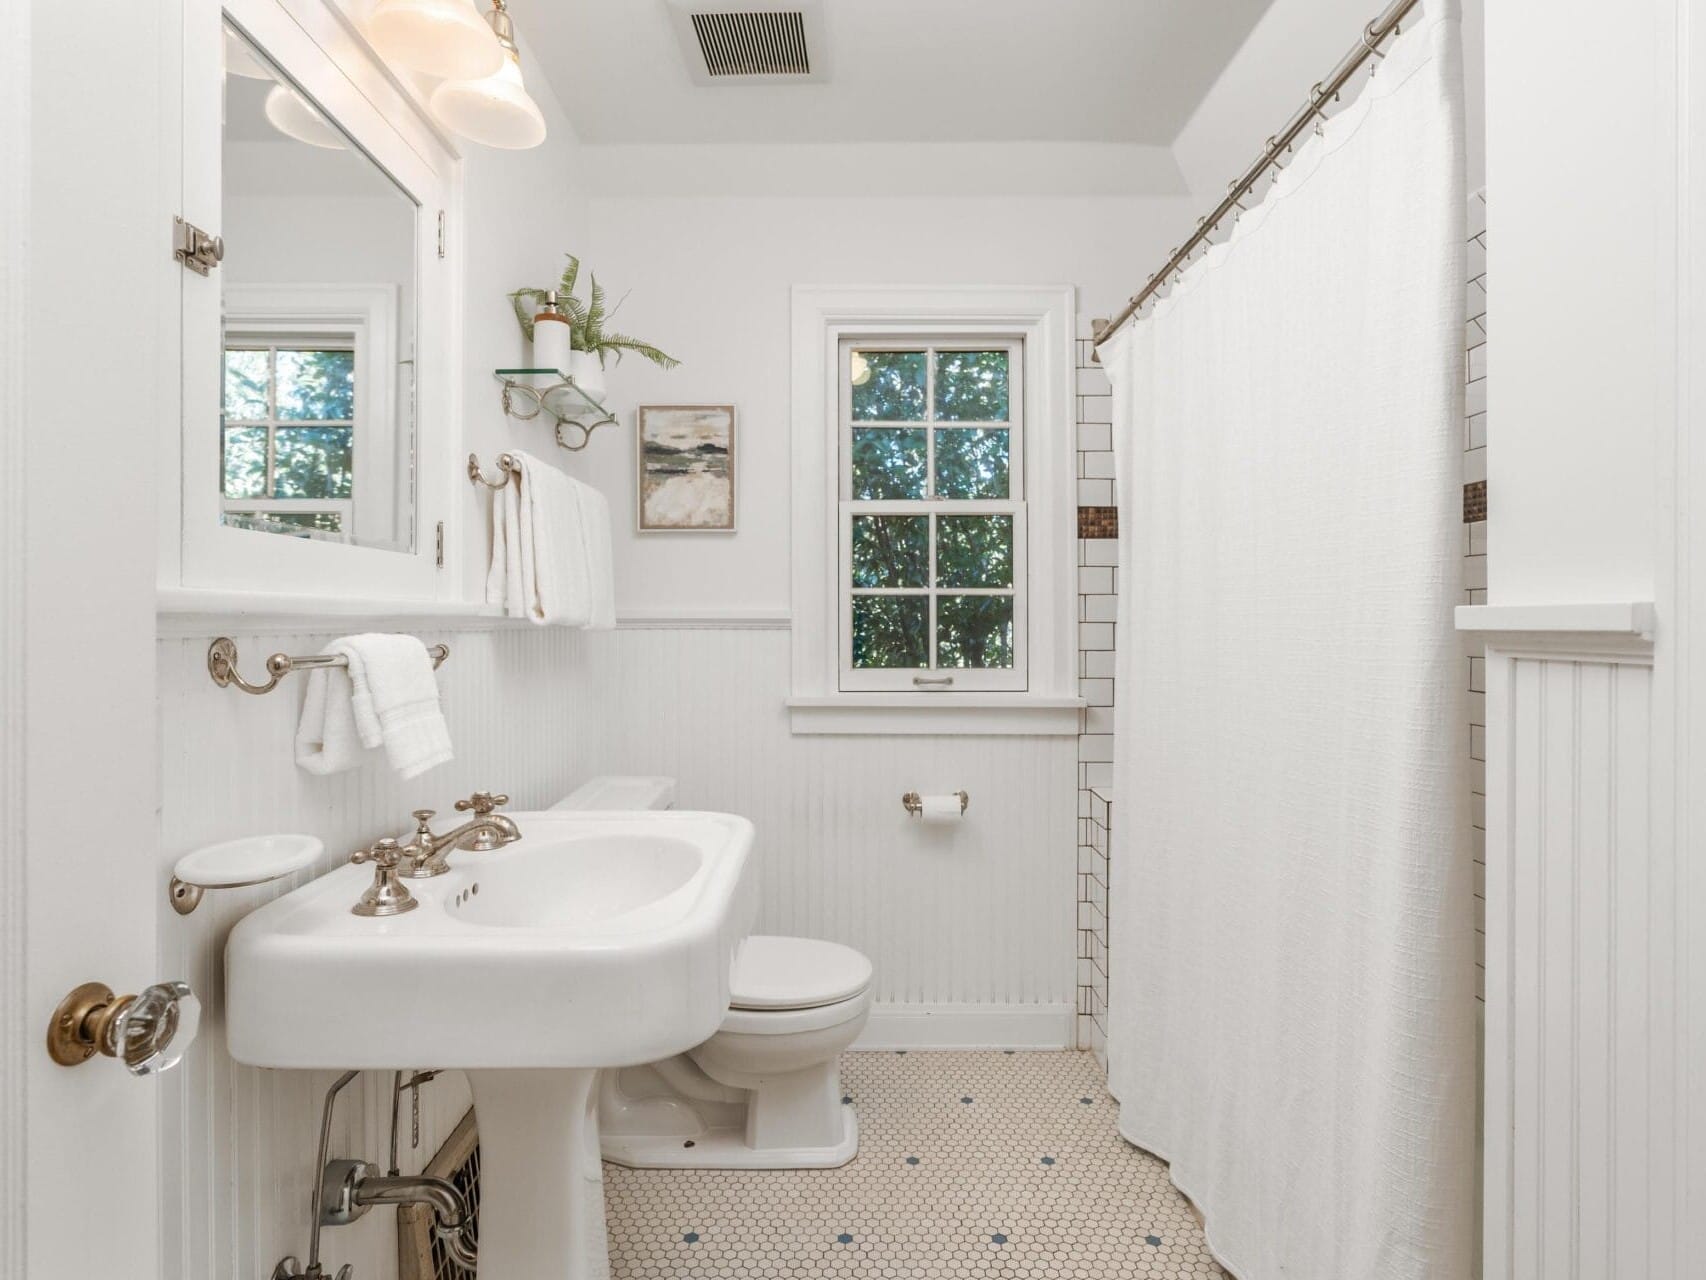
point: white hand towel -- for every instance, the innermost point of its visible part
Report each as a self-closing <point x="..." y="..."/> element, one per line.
<point x="327" y="739"/>
<point x="551" y="549"/>
<point x="394" y="700"/>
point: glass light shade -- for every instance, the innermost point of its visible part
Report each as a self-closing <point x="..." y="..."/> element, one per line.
<point x="446" y="38"/>
<point x="292" y="115"/>
<point x="495" y="111"/>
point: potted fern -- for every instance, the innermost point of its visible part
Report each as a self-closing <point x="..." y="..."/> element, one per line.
<point x="590" y="337"/>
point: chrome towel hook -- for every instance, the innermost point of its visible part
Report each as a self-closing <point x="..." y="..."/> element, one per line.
<point x="507" y="467"/>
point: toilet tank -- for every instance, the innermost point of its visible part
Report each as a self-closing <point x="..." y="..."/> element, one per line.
<point x="621" y="791"/>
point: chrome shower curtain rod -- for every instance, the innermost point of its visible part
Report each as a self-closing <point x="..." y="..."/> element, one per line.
<point x="1324" y="92"/>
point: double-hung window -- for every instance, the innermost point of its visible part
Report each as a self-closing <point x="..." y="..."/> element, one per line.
<point x="932" y="561"/>
<point x="289" y="433"/>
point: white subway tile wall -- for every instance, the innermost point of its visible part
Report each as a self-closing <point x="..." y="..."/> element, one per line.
<point x="1475" y="563"/>
<point x="1098" y="559"/>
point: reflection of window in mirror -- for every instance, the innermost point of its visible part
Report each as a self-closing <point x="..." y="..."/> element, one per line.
<point x="319" y="293"/>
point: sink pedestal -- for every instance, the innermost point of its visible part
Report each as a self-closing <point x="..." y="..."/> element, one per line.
<point x="541" y="1183"/>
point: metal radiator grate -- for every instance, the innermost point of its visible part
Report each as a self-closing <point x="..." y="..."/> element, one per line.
<point x="420" y="1255"/>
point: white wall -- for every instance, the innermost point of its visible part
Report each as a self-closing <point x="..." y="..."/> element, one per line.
<point x="710" y="279"/>
<point x="1581" y="241"/>
<point x="1296" y="44"/>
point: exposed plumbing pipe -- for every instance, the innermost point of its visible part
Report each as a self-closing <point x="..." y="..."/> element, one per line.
<point x="450" y="1213"/>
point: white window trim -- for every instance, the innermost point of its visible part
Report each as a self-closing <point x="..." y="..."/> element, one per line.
<point x="1044" y="317"/>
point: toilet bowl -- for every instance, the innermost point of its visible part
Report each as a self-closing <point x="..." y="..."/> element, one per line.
<point x="764" y="1092"/>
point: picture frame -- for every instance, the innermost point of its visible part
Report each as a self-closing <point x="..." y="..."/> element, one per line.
<point x="685" y="469"/>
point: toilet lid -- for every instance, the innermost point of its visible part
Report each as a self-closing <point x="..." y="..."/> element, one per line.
<point x="795" y="973"/>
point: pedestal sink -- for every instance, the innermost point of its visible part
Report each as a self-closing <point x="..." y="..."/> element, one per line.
<point x="596" y="940"/>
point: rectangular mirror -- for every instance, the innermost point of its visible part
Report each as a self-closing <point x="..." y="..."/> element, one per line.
<point x="319" y="297"/>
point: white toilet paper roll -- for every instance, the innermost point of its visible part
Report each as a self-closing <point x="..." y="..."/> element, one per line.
<point x="940" y="808"/>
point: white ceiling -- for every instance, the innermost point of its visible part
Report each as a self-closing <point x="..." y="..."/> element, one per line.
<point x="1126" y="71"/>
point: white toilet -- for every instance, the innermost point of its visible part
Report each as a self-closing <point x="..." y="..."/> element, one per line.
<point x="764" y="1092"/>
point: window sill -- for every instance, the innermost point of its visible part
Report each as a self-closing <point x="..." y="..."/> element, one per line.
<point x="1010" y="714"/>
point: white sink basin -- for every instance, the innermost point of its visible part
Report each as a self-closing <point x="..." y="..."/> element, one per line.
<point x="596" y="940"/>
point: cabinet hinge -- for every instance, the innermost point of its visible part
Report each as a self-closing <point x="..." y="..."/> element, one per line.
<point x="440" y="544"/>
<point x="441" y="233"/>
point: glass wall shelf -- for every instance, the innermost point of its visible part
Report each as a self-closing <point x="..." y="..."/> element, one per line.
<point x="527" y="393"/>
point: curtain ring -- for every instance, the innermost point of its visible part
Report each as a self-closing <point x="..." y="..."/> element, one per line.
<point x="1370" y="43"/>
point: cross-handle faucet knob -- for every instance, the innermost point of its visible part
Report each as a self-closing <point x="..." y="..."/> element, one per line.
<point x="385" y="853"/>
<point x="387" y="895"/>
<point x="481" y="803"/>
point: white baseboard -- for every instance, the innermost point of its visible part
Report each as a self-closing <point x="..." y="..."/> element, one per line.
<point x="968" y="1026"/>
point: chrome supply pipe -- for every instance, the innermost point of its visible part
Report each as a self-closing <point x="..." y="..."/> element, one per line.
<point x="450" y="1214"/>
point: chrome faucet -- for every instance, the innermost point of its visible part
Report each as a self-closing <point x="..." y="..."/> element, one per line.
<point x="425" y="854"/>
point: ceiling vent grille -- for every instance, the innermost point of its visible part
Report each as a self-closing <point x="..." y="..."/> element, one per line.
<point x="753" y="44"/>
<point x="739" y="41"/>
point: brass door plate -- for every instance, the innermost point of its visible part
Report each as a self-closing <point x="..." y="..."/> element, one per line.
<point x="74" y="1034"/>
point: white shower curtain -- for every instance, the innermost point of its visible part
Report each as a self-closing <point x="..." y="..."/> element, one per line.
<point x="1292" y="998"/>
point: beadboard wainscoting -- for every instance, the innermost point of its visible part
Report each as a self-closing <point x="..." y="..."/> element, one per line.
<point x="970" y="924"/>
<point x="1576" y="974"/>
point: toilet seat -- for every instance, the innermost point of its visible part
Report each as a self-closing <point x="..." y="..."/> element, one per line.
<point x="773" y="974"/>
<point x="792" y="1022"/>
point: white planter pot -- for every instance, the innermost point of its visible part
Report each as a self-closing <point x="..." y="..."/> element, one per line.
<point x="587" y="372"/>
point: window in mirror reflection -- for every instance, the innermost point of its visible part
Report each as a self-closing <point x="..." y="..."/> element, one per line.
<point x="317" y="420"/>
<point x="289" y="446"/>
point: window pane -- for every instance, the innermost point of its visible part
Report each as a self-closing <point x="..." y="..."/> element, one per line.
<point x="974" y="631"/>
<point x="971" y="386"/>
<point x="282" y="521"/>
<point x="312" y="462"/>
<point x="245" y="462"/>
<point x="316" y="386"/>
<point x="971" y="463"/>
<point x="246" y="385"/>
<point x="888" y="462"/>
<point x="888" y="386"/>
<point x="889" y="631"/>
<point x="891" y="551"/>
<point x="974" y="551"/>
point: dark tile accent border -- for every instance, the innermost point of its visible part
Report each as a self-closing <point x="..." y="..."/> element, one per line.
<point x="1474" y="503"/>
<point x="1098" y="522"/>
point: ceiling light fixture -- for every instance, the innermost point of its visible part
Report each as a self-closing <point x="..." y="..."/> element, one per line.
<point x="295" y="117"/>
<point x="495" y="110"/>
<point x="437" y="37"/>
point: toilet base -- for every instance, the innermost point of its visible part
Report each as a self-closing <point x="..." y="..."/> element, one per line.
<point x="725" y="1147"/>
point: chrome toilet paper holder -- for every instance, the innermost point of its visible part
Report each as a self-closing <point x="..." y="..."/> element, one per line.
<point x="913" y="803"/>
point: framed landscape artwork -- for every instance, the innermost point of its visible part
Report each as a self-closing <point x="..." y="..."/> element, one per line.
<point x="687" y="468"/>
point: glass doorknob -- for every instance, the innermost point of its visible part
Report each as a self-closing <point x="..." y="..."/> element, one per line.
<point x="148" y="1033"/>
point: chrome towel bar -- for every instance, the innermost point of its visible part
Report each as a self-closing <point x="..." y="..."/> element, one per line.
<point x="222" y="664"/>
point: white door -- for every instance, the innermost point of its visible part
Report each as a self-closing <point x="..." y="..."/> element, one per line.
<point x="80" y="188"/>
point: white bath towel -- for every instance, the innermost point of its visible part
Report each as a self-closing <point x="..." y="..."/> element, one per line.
<point x="551" y="549"/>
<point x="386" y="696"/>
<point x="327" y="740"/>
